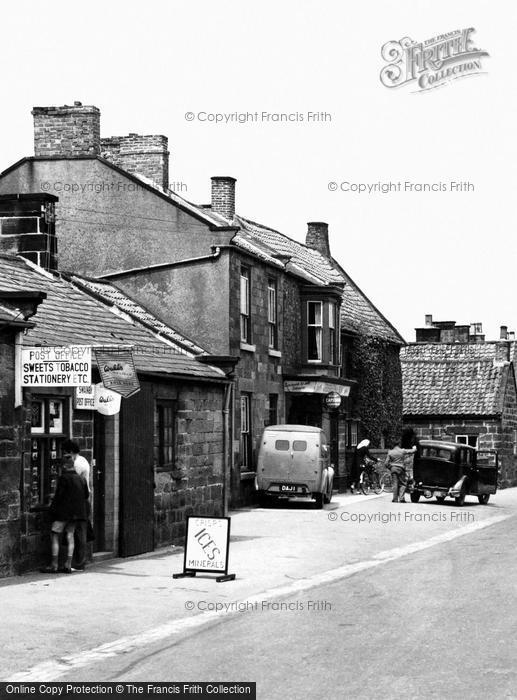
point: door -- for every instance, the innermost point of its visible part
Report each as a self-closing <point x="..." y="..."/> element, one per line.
<point x="137" y="473"/>
<point x="98" y="484"/>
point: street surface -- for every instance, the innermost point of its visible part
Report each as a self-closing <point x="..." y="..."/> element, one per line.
<point x="364" y="599"/>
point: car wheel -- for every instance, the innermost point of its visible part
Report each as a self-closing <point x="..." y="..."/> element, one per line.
<point x="483" y="499"/>
<point x="440" y="499"/>
<point x="262" y="499"/>
<point x="415" y="496"/>
<point x="319" y="498"/>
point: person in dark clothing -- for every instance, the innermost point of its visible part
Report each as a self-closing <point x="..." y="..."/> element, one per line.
<point x="410" y="440"/>
<point x="68" y="509"/>
<point x="361" y="452"/>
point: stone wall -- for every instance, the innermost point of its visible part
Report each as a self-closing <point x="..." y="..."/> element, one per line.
<point x="193" y="485"/>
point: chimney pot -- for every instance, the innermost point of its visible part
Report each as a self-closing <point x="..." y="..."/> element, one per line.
<point x="503" y="333"/>
<point x="318" y="237"/>
<point x="223" y="196"/>
<point x="429" y="319"/>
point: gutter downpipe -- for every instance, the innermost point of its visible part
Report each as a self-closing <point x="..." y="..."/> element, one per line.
<point x="228" y="395"/>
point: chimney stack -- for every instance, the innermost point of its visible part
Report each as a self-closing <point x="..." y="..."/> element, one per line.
<point x="140" y="155"/>
<point x="318" y="237"/>
<point x="428" y="319"/>
<point x="223" y="196"/>
<point x="503" y="333"/>
<point x="27" y="227"/>
<point x="67" y="131"/>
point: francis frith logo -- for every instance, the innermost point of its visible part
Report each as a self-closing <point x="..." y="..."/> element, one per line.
<point x="432" y="63"/>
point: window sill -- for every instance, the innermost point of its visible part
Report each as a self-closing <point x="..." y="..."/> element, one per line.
<point x="274" y="353"/>
<point x="247" y="347"/>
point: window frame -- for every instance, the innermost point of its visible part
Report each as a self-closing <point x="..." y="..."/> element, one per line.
<point x="45" y="447"/>
<point x="467" y="440"/>
<point x="166" y="441"/>
<point x="317" y="328"/>
<point x="245" y="304"/>
<point x="272" y="313"/>
<point x="245" y="431"/>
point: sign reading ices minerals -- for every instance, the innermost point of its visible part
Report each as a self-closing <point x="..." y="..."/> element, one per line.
<point x="431" y="63"/>
<point x="56" y="366"/>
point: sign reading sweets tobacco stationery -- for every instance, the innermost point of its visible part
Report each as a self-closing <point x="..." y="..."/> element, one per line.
<point x="117" y="370"/>
<point x="56" y="366"/>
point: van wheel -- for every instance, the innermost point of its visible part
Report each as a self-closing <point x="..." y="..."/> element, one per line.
<point x="440" y="499"/>
<point x="319" y="498"/>
<point x="483" y="499"/>
<point x="262" y="499"/>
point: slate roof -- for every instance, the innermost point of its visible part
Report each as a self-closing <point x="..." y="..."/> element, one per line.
<point x="453" y="379"/>
<point x="358" y="313"/>
<point x="111" y="295"/>
<point x="71" y="316"/>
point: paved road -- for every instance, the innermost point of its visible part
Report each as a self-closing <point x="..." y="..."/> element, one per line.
<point x="366" y="599"/>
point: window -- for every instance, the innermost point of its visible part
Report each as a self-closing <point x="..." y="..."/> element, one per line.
<point x="48" y="426"/>
<point x="166" y="434"/>
<point x="332" y="334"/>
<point x="314" y="331"/>
<point x="471" y="440"/>
<point x="245" y="305"/>
<point x="245" y="445"/>
<point x="273" y="409"/>
<point x="282" y="445"/>
<point x="299" y="446"/>
<point x="271" y="313"/>
<point x="351" y="438"/>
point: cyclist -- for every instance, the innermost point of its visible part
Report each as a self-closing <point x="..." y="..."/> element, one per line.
<point x="361" y="457"/>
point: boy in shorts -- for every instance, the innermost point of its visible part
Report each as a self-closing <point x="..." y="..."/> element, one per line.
<point x="68" y="510"/>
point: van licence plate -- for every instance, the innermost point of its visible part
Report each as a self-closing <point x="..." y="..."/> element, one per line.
<point x="287" y="487"/>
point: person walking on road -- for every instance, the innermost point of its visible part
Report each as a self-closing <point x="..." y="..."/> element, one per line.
<point x="82" y="467"/>
<point x="395" y="462"/>
<point x="68" y="510"/>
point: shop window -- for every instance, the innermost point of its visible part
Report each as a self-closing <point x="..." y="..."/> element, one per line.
<point x="471" y="440"/>
<point x="166" y="434"/>
<point x="49" y="420"/>
<point x="245" y="442"/>
<point x="245" y="305"/>
<point x="272" y="314"/>
<point x="314" y="331"/>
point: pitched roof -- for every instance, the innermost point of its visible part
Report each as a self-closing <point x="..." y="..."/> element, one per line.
<point x="111" y="295"/>
<point x="453" y="379"/>
<point x="70" y="315"/>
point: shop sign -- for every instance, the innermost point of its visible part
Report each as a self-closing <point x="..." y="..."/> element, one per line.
<point x="56" y="366"/>
<point x="107" y="402"/>
<point x="117" y="370"/>
<point x="333" y="400"/>
<point x="315" y="387"/>
<point x="84" y="398"/>
<point x="207" y="546"/>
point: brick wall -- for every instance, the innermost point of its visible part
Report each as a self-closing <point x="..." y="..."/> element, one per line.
<point x="194" y="484"/>
<point x="67" y="131"/>
<point x="139" y="155"/>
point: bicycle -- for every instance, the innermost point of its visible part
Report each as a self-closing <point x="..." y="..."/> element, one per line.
<point x="386" y="481"/>
<point x="369" y="479"/>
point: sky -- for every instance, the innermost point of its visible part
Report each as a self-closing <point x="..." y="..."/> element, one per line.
<point x="168" y="67"/>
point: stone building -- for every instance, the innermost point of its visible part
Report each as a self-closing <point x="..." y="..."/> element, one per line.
<point x="458" y="386"/>
<point x="245" y="291"/>
<point x="162" y="457"/>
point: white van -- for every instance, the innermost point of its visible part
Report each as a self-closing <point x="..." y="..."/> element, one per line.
<point x="293" y="460"/>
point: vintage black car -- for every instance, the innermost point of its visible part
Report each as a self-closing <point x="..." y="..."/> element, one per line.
<point x="450" y="469"/>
